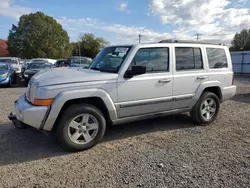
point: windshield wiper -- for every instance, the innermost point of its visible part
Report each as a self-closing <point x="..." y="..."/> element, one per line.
<point x="109" y="71"/>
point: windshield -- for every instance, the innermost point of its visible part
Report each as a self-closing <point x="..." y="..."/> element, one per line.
<point x="81" y="60"/>
<point x="38" y="61"/>
<point x="110" y="59"/>
<point x="12" y="61"/>
<point x="3" y="67"/>
<point x="40" y="65"/>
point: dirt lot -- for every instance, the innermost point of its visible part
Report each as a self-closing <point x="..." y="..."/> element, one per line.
<point x="165" y="152"/>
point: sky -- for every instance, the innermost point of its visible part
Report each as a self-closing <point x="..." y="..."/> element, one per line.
<point x="120" y="22"/>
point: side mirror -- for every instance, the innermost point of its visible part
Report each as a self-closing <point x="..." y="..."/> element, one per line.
<point x="135" y="70"/>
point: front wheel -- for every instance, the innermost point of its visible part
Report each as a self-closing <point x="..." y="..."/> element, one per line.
<point x="81" y="127"/>
<point x="20" y="125"/>
<point x="206" y="109"/>
<point x="10" y="84"/>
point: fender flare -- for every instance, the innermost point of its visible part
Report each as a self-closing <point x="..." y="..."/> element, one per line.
<point x="202" y="87"/>
<point x="65" y="96"/>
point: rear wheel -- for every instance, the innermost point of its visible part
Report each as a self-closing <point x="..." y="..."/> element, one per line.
<point x="206" y="109"/>
<point x="81" y="127"/>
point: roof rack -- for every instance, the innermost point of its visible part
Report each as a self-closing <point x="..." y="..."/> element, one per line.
<point x="188" y="42"/>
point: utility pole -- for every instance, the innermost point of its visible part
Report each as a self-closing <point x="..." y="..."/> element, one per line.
<point x="140" y="38"/>
<point x="79" y="48"/>
<point x="198" y="36"/>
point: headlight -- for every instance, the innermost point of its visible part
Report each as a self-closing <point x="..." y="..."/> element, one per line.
<point x="43" y="102"/>
<point x="28" y="93"/>
<point x="5" y="74"/>
<point x="38" y="96"/>
<point x="32" y="92"/>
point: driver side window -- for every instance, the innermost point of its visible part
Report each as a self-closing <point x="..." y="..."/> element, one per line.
<point x="154" y="59"/>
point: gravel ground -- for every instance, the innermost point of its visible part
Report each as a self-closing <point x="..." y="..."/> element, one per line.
<point x="164" y="152"/>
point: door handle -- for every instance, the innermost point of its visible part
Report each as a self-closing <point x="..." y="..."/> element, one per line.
<point x="201" y="77"/>
<point x="164" y="81"/>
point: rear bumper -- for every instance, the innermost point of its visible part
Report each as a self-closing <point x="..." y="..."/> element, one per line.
<point x="29" y="114"/>
<point x="228" y="92"/>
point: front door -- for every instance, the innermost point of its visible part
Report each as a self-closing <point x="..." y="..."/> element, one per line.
<point x="150" y="92"/>
<point x="189" y="73"/>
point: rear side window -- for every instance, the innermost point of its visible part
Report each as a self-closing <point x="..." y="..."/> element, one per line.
<point x="217" y="58"/>
<point x="188" y="58"/>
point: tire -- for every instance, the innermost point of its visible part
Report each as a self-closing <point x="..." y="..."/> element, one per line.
<point x="77" y="114"/>
<point x="204" y="113"/>
<point x="20" y="125"/>
<point x="26" y="83"/>
<point x="10" y="84"/>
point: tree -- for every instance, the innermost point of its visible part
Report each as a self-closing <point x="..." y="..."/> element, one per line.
<point x="38" y="35"/>
<point x="3" y="48"/>
<point x="241" y="41"/>
<point x="89" y="45"/>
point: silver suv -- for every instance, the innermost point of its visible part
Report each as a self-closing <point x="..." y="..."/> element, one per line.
<point x="127" y="83"/>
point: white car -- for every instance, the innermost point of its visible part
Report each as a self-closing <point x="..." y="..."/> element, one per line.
<point x="127" y="83"/>
<point x="15" y="63"/>
<point x="52" y="61"/>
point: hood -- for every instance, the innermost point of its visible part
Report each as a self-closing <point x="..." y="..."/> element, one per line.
<point x="65" y="75"/>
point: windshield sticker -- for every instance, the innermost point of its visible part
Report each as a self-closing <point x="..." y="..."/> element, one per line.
<point x="121" y="50"/>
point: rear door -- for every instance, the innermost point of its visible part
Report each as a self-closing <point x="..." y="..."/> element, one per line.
<point x="189" y="73"/>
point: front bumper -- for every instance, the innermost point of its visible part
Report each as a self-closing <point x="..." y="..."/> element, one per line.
<point x="29" y="114"/>
<point x="4" y="81"/>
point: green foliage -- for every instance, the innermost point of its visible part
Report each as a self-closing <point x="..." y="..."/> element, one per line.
<point x="89" y="45"/>
<point x="241" y="41"/>
<point x="38" y="35"/>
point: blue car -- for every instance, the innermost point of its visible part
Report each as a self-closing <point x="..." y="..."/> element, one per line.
<point x="7" y="74"/>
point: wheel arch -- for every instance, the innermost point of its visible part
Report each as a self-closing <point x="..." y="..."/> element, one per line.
<point x="216" y="90"/>
<point x="96" y="97"/>
<point x="211" y="86"/>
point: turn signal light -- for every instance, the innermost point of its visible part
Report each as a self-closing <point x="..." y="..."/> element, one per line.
<point x="43" y="102"/>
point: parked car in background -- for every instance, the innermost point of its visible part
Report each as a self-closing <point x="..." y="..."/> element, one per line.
<point x="79" y="61"/>
<point x="35" y="67"/>
<point x="24" y="66"/>
<point x="61" y="63"/>
<point x="52" y="61"/>
<point x="7" y="74"/>
<point x="14" y="62"/>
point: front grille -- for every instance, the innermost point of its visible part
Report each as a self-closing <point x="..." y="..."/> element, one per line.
<point x="2" y="79"/>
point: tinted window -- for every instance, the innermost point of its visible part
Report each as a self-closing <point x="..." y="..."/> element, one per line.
<point x="3" y="67"/>
<point x="216" y="58"/>
<point x="39" y="65"/>
<point x="13" y="61"/>
<point x="198" y="58"/>
<point x="154" y="59"/>
<point x="188" y="58"/>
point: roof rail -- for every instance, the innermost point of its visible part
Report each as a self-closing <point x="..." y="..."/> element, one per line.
<point x="188" y="42"/>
